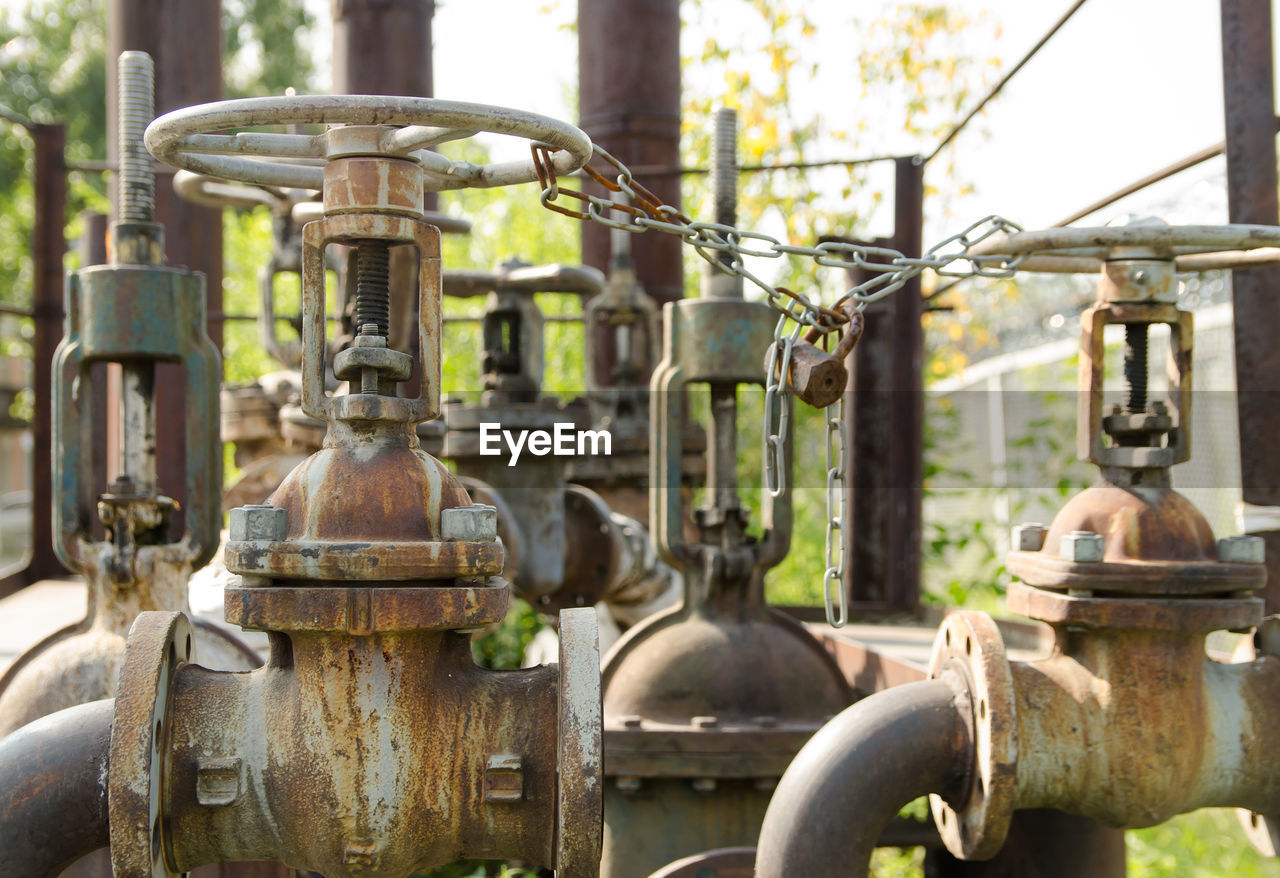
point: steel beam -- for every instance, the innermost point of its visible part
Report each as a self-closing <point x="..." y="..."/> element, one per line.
<point x="883" y="505"/>
<point x="1249" y="100"/>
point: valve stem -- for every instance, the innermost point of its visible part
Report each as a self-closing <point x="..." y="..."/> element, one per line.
<point x="136" y="185"/>
<point x="373" y="289"/>
<point x="1135" y="366"/>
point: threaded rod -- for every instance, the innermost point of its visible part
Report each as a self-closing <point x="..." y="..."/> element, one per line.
<point x="135" y="183"/>
<point x="1135" y="366"/>
<point x="373" y="289"/>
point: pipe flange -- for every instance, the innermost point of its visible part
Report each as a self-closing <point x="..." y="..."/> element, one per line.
<point x="969" y="645"/>
<point x="159" y="643"/>
<point x="1262" y="831"/>
<point x="1134" y="613"/>
<point x="580" y="757"/>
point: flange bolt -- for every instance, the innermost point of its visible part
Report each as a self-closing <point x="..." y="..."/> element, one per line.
<point x="1029" y="537"/>
<point x="1082" y="547"/>
<point x="477" y="522"/>
<point x="1242" y="550"/>
<point x="258" y="523"/>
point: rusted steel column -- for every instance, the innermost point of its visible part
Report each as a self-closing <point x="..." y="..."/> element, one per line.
<point x="185" y="39"/>
<point x="886" y="428"/>
<point x="382" y="47"/>
<point x="50" y="245"/>
<point x="1249" y="100"/>
<point x="629" y="103"/>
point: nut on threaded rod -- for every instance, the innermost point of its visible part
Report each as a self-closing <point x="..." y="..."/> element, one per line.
<point x="135" y="182"/>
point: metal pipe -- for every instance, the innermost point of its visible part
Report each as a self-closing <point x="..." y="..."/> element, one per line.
<point x="54" y="795"/>
<point x="629" y="103"/>
<point x="1249" y="105"/>
<point x="851" y="779"/>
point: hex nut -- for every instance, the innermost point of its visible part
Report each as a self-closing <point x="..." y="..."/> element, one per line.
<point x="705" y="722"/>
<point x="1242" y="549"/>
<point x="1082" y="547"/>
<point x="258" y="523"/>
<point x="477" y="522"/>
<point x="1029" y="537"/>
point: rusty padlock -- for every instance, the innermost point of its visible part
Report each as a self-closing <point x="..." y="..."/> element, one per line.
<point x="818" y="377"/>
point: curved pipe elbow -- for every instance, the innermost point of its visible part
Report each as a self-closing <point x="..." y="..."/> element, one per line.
<point x="851" y="779"/>
<point x="53" y="797"/>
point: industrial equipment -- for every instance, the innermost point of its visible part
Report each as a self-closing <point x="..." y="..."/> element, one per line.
<point x="135" y="312"/>
<point x="572" y="549"/>
<point x="370" y="744"/>
<point x="706" y="703"/>
<point x="1127" y="720"/>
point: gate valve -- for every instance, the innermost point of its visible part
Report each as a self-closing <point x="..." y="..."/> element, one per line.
<point x="135" y="312"/>
<point x="291" y="209"/>
<point x="1126" y="720"/>
<point x="573" y="549"/>
<point x="371" y="744"/>
<point x="706" y="703"/>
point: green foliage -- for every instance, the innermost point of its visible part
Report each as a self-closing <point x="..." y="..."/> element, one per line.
<point x="503" y="645"/>
<point x="1204" y="844"/>
<point x="266" y="46"/>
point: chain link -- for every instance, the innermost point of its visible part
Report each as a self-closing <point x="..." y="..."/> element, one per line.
<point x="777" y="395"/>
<point x="837" y="468"/>
<point x="726" y="248"/>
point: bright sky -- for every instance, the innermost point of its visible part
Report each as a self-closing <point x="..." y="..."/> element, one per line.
<point x="1127" y="86"/>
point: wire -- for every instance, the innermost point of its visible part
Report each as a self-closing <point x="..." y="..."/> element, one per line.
<point x="1004" y="80"/>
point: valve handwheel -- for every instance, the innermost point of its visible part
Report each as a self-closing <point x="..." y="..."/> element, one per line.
<point x="1083" y="250"/>
<point x="407" y="127"/>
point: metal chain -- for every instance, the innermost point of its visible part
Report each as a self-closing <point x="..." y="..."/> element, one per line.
<point x="837" y="466"/>
<point x="777" y="395"/>
<point x="889" y="268"/>
<point x="888" y="271"/>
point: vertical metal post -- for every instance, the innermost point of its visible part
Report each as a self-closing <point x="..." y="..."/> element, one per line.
<point x="886" y="429"/>
<point x="1249" y="102"/>
<point x="50" y="245"/>
<point x="629" y="103"/>
<point x="185" y="40"/>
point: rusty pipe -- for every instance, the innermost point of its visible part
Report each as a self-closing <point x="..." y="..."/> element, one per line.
<point x="851" y="779"/>
<point x="54" y="796"/>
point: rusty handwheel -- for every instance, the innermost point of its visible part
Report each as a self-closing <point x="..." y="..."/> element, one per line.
<point x="401" y="127"/>
<point x="1087" y="250"/>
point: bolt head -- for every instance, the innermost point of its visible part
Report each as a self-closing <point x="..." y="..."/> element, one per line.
<point x="470" y="523"/>
<point x="258" y="523"/>
<point x="1242" y="550"/>
<point x="631" y="721"/>
<point x="1082" y="547"/>
<point x="705" y="722"/>
<point x="704" y="784"/>
<point x="1029" y="537"/>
